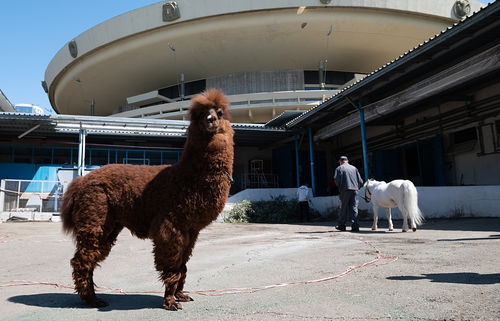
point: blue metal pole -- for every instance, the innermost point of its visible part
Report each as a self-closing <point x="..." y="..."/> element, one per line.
<point x="363" y="139"/>
<point x="297" y="167"/>
<point x="311" y="157"/>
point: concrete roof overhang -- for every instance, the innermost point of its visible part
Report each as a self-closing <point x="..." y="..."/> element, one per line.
<point x="138" y="52"/>
<point x="448" y="67"/>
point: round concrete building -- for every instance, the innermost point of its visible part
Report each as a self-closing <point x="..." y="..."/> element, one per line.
<point x="268" y="56"/>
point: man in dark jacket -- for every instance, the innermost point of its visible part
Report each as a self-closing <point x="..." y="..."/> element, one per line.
<point x="349" y="182"/>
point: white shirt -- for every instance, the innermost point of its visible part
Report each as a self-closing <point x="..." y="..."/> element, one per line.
<point x="304" y="194"/>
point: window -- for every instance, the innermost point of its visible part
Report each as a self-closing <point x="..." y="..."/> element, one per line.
<point x="464" y="136"/>
<point x="23" y="155"/>
<point x="497" y="136"/>
<point x="5" y="154"/>
<point x="99" y="156"/>
<point x="43" y="155"/>
<point x="154" y="158"/>
<point x="62" y="156"/>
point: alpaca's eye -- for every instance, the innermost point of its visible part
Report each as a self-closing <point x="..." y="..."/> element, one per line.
<point x="219" y="113"/>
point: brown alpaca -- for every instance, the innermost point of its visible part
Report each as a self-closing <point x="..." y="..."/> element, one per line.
<point x="169" y="204"/>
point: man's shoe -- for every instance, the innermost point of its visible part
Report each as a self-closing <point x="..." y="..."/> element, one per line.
<point x="340" y="228"/>
<point x="355" y="229"/>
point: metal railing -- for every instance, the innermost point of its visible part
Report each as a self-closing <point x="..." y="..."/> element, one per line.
<point x="259" y="180"/>
<point x="29" y="199"/>
<point x="240" y="101"/>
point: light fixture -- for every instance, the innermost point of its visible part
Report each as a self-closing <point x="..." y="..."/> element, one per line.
<point x="301" y="9"/>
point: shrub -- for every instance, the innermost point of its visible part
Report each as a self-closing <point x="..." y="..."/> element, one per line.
<point x="278" y="210"/>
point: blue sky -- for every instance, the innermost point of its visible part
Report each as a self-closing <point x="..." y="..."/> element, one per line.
<point x="32" y="31"/>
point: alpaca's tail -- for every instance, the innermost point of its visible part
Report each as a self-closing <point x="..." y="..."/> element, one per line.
<point x="410" y="202"/>
<point x="67" y="206"/>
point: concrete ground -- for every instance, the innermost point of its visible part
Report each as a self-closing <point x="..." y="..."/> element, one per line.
<point x="447" y="270"/>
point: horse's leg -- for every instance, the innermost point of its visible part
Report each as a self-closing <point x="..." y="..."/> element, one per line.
<point x="388" y="212"/>
<point x="405" y="219"/>
<point x="375" y="217"/>
<point x="413" y="224"/>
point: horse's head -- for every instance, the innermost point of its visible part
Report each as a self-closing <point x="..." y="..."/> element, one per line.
<point x="209" y="110"/>
<point x="367" y="187"/>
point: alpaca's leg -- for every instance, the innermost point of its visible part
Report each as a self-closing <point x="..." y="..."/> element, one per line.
<point x="83" y="263"/>
<point x="389" y="218"/>
<point x="170" y="274"/>
<point x="169" y="246"/>
<point x="179" y="294"/>
<point x="375" y="217"/>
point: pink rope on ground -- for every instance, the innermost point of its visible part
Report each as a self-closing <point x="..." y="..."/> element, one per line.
<point x="217" y="292"/>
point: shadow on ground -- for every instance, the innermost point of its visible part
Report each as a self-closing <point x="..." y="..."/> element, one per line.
<point x="66" y="300"/>
<point x="461" y="278"/>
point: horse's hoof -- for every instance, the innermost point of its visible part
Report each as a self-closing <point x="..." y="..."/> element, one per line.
<point x="374" y="228"/>
<point x="414" y="229"/>
<point x="391" y="229"/>
<point x="404" y="231"/>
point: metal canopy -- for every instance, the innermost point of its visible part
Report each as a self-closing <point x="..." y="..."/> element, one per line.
<point x="105" y="129"/>
<point x="452" y="47"/>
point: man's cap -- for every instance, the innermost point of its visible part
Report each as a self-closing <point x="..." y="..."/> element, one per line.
<point x="343" y="158"/>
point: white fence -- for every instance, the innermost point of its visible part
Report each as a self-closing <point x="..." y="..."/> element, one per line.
<point x="29" y="200"/>
<point x="435" y="202"/>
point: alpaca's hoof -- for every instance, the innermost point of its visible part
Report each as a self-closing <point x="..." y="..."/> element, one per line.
<point x="182" y="297"/>
<point x="171" y="305"/>
<point x="95" y="302"/>
<point x="414" y="229"/>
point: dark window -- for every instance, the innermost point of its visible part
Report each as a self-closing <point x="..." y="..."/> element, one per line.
<point x="195" y="87"/>
<point x="5" y="154"/>
<point x="154" y="158"/>
<point x="62" y="156"/>
<point x="170" y="157"/>
<point x="170" y="92"/>
<point x="23" y="155"/>
<point x="465" y="135"/>
<point x="43" y="155"/>
<point x="497" y="136"/>
<point x="99" y="157"/>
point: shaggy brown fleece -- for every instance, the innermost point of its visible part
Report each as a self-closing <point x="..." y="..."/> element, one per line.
<point x="168" y="204"/>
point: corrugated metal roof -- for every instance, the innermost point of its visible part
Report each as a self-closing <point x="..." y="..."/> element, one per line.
<point x="490" y="9"/>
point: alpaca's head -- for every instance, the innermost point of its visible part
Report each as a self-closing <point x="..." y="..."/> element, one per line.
<point x="209" y="111"/>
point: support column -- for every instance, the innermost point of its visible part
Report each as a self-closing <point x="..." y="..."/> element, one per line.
<point x="81" y="152"/>
<point x="297" y="167"/>
<point x="311" y="157"/>
<point x="363" y="139"/>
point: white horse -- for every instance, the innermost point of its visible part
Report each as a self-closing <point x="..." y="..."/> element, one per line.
<point x="398" y="193"/>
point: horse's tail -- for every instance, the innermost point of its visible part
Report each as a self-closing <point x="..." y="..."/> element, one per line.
<point x="68" y="206"/>
<point x="410" y="202"/>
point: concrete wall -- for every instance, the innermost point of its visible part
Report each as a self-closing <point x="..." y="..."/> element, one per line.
<point x="434" y="202"/>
